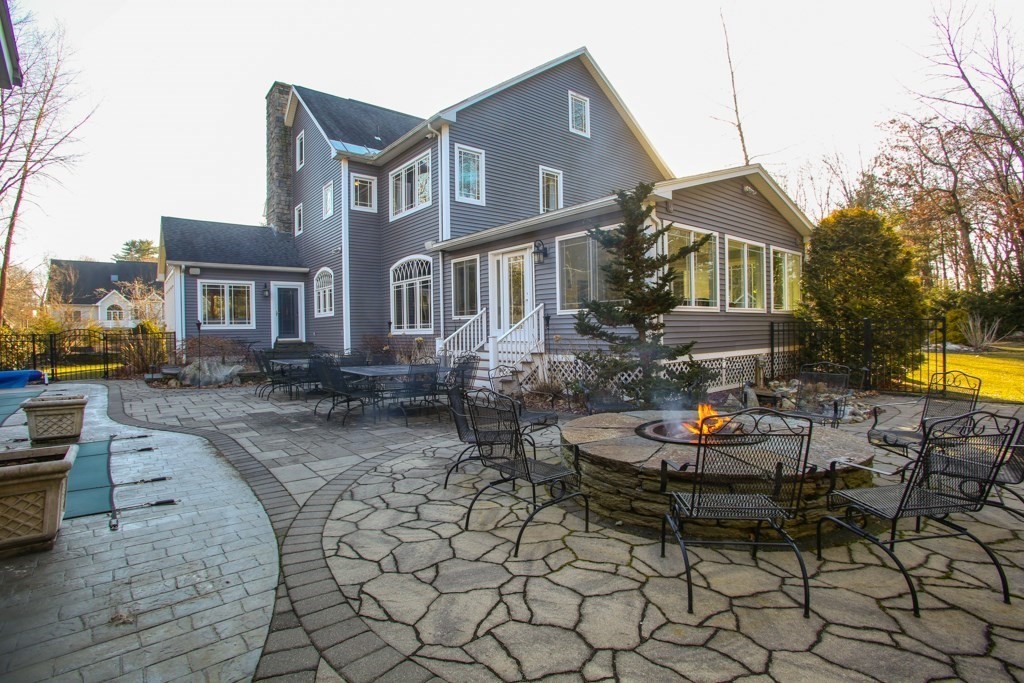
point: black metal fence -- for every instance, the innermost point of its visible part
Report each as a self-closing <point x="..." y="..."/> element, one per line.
<point x="87" y="354"/>
<point x="892" y="354"/>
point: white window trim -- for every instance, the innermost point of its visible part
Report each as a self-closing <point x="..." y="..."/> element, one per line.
<point x="540" y="187"/>
<point x="227" y="326"/>
<point x="452" y="279"/>
<point x="275" y="331"/>
<point x="299" y="220"/>
<point x="482" y="201"/>
<point x="391" y="295"/>
<point x="317" y="313"/>
<point x="771" y="277"/>
<point x="586" y="103"/>
<point x="373" y="192"/>
<point x="120" y="309"/>
<point x="558" y="269"/>
<point x="300" y="150"/>
<point x="764" y="276"/>
<point x="391" y="185"/>
<point x="328" y="190"/>
<point x="717" y="308"/>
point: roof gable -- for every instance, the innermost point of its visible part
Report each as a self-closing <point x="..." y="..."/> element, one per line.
<point x="184" y="240"/>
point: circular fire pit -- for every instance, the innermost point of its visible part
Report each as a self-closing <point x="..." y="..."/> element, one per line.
<point x="621" y="464"/>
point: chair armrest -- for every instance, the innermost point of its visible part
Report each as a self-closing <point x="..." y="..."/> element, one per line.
<point x="875" y="412"/>
<point x="847" y="463"/>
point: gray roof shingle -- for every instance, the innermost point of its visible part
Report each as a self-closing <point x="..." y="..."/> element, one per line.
<point x="186" y="240"/>
<point x="355" y="122"/>
<point x="86" y="282"/>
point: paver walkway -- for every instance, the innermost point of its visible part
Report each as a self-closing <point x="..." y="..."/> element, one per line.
<point x="380" y="582"/>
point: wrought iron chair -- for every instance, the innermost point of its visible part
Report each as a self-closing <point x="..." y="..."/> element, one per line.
<point x="416" y="391"/>
<point x="955" y="470"/>
<point x="502" y="447"/>
<point x="275" y="378"/>
<point x="340" y="388"/>
<point x="1011" y="473"/>
<point x="504" y="380"/>
<point x="754" y="473"/>
<point x="949" y="394"/>
<point x="824" y="389"/>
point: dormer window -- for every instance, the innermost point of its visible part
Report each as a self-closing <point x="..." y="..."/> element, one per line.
<point x="579" y="114"/>
<point x="300" y="150"/>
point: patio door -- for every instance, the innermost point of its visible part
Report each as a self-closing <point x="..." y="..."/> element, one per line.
<point x="511" y="288"/>
<point x="288" y="319"/>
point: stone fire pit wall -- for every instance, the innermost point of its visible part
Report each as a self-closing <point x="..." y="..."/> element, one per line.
<point x="622" y="471"/>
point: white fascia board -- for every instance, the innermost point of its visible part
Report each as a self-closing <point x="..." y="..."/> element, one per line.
<point x="238" y="266"/>
<point x="526" y="225"/>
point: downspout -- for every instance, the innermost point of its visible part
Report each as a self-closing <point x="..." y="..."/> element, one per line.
<point x="346" y="262"/>
<point x="442" y="213"/>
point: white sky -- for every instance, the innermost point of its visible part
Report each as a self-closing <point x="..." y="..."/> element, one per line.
<point x="179" y="87"/>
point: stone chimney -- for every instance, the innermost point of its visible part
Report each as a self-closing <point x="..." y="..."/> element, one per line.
<point x="280" y="165"/>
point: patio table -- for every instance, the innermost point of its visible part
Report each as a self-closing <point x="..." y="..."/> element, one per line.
<point x="285" y="363"/>
<point x="378" y="373"/>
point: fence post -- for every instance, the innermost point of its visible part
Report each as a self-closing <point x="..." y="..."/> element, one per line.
<point x="771" y="350"/>
<point x="942" y="329"/>
<point x="34" y="361"/>
<point x="53" y="355"/>
<point x="868" y="358"/>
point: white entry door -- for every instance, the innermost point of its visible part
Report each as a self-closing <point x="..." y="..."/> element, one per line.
<point x="511" y="288"/>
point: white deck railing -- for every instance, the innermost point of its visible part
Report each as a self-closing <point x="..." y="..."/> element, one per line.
<point x="468" y="338"/>
<point x="521" y="340"/>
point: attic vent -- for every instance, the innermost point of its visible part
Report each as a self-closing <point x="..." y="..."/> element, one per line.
<point x="113" y="278"/>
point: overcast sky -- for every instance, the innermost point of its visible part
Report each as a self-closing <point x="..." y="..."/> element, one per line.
<point x="179" y="87"/>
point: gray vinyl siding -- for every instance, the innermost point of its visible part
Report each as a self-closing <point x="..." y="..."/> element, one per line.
<point x="405" y="236"/>
<point x="725" y="209"/>
<point x="320" y="236"/>
<point x="261" y="304"/>
<point x="527" y="126"/>
<point x="368" y="278"/>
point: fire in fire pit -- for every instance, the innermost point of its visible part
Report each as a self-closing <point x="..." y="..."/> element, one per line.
<point x="685" y="431"/>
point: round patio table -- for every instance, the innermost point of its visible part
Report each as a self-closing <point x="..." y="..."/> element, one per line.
<point x="622" y="470"/>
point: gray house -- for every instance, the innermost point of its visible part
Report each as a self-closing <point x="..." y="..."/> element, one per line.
<point x="468" y="228"/>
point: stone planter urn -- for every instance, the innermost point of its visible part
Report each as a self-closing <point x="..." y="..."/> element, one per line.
<point x="54" y="417"/>
<point x="33" y="489"/>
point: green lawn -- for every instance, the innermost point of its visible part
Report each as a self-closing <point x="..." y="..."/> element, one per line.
<point x="1001" y="370"/>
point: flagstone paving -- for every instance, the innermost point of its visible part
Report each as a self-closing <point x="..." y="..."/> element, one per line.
<point x="380" y="581"/>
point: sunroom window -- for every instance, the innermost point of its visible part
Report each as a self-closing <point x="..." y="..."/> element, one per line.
<point x="580" y="277"/>
<point x="787" y="269"/>
<point x="696" y="280"/>
<point x="410" y="186"/>
<point x="746" y="280"/>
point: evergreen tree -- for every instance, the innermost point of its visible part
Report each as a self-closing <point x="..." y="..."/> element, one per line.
<point x="638" y="278"/>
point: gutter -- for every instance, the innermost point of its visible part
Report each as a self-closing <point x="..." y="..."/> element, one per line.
<point x="237" y="266"/>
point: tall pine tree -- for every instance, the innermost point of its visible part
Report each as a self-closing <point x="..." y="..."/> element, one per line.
<point x="639" y="279"/>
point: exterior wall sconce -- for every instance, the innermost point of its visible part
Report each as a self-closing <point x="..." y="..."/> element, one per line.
<point x="266" y="292"/>
<point x="540" y="252"/>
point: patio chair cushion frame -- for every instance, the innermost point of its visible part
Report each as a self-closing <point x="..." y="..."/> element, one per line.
<point x="954" y="472"/>
<point x="755" y="474"/>
<point x="949" y="394"/>
<point x="501" y="445"/>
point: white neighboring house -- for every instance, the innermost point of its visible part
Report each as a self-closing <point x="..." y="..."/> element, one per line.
<point x="93" y="293"/>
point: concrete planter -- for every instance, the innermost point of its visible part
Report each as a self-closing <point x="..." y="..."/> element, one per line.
<point x="33" y="488"/>
<point x="54" y="417"/>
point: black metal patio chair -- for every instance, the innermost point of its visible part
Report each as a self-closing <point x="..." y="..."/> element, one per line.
<point x="1011" y="473"/>
<point x="501" y="447"/>
<point x="416" y="391"/>
<point x="504" y="380"/>
<point x="275" y="378"/>
<point x="954" y="472"/>
<point x="949" y="394"/>
<point x="752" y="473"/>
<point x="340" y="388"/>
<point x="823" y="391"/>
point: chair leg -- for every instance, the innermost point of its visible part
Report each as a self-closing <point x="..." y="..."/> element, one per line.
<point x="480" y="493"/>
<point x="458" y="461"/>
<point x="884" y="546"/>
<point x="537" y="509"/>
<point x="686" y="560"/>
<point x="988" y="551"/>
<point x="1002" y="505"/>
<point x="803" y="567"/>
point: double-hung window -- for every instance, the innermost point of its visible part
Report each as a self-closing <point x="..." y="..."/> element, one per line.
<point x="466" y="287"/>
<point x="696" y="280"/>
<point x="226" y="304"/>
<point x="411" y="299"/>
<point x="579" y="114"/>
<point x="580" y="276"/>
<point x="329" y="199"/>
<point x="410" y="186"/>
<point x="300" y="150"/>
<point x="364" y="193"/>
<point x="469" y="175"/>
<point x="298" y="220"/>
<point x="323" y="293"/>
<point x="745" y="275"/>
<point x="787" y="269"/>
<point x="550" y="189"/>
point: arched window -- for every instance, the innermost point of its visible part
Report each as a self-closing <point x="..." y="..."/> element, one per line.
<point x="412" y="303"/>
<point x="115" y="312"/>
<point x="323" y="293"/>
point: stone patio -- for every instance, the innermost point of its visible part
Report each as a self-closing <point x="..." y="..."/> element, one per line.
<point x="379" y="581"/>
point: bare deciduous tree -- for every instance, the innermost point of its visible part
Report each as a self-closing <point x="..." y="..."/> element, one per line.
<point x="36" y="135"/>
